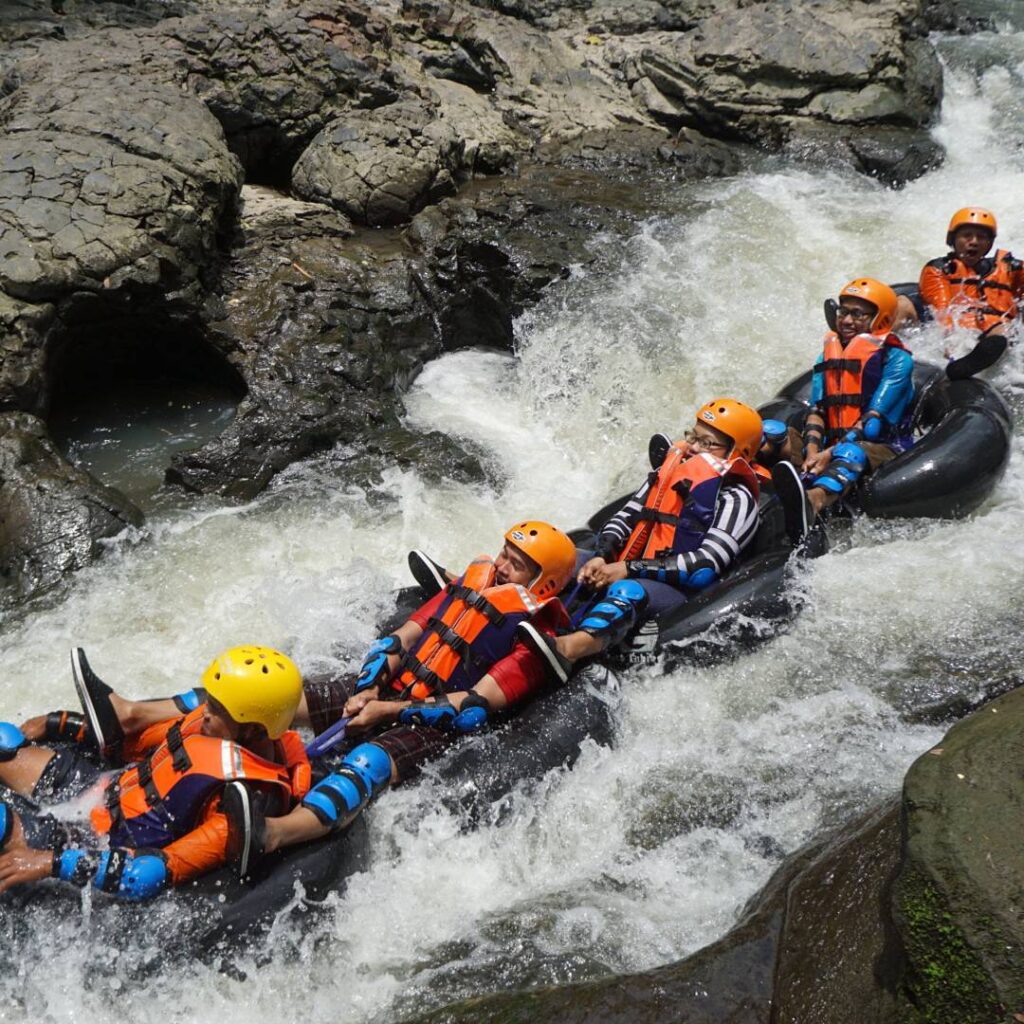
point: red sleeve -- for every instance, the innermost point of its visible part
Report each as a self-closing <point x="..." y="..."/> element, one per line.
<point x="521" y="673"/>
<point x="427" y="609"/>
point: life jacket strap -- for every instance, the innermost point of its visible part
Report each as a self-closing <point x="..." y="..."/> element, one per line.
<point x="982" y="283"/>
<point x="451" y="639"/>
<point x="153" y="798"/>
<point x="476" y="600"/>
<point x="413" y="665"/>
<point x="176" y="745"/>
<point x="843" y="365"/>
<point x="832" y="401"/>
<point x="651" y="515"/>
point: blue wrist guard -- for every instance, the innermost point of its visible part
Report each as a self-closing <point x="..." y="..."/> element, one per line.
<point x="12" y="739"/>
<point x="375" y="664"/>
<point x="440" y="715"/>
<point x="133" y="876"/>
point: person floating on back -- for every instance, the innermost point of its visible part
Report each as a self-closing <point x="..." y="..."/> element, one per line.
<point x="971" y="290"/>
<point x="680" y="532"/>
<point x="159" y="821"/>
<point x="861" y="394"/>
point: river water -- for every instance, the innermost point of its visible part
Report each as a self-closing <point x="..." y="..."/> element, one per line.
<point x="641" y="854"/>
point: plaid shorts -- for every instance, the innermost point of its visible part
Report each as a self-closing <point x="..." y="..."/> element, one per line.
<point x="408" y="746"/>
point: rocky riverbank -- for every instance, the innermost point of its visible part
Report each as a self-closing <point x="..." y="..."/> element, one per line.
<point x="912" y="915"/>
<point x="281" y="195"/>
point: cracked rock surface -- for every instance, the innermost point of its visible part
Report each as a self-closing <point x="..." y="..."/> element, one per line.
<point x="129" y="129"/>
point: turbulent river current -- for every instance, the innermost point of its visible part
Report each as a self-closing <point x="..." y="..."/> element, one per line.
<point x="643" y="853"/>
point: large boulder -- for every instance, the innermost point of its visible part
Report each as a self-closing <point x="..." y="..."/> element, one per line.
<point x="911" y="915"/>
<point x="53" y="517"/>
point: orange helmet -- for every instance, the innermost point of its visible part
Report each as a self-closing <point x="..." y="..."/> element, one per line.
<point x="552" y="551"/>
<point x="971" y="215"/>
<point x="880" y="295"/>
<point x="741" y="424"/>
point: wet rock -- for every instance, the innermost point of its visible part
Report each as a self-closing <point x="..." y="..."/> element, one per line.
<point x="911" y="913"/>
<point x="697" y="156"/>
<point x="53" y="517"/>
<point x="958" y="895"/>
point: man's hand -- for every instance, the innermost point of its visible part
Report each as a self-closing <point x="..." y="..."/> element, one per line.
<point x="586" y="574"/>
<point x="24" y="864"/>
<point x="358" y="701"/>
<point x="377" y="712"/>
<point x="610" y="573"/>
<point x="817" y="462"/>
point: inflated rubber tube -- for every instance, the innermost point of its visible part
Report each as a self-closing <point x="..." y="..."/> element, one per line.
<point x="952" y="469"/>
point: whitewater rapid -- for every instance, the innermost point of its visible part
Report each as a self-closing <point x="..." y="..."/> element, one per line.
<point x="643" y="853"/>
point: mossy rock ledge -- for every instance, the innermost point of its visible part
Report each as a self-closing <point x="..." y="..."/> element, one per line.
<point x="910" y="915"/>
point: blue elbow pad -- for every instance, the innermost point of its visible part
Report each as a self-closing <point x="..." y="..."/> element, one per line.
<point x="703" y="577"/>
<point x="131" y="876"/>
<point x="775" y="432"/>
<point x="873" y="428"/>
<point x="189" y="700"/>
<point x="363" y="774"/>
<point x="12" y="739"/>
<point x="473" y="713"/>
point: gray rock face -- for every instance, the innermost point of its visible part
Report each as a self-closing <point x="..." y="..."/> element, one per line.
<point x="912" y="914"/>
<point x="53" y="517"/>
<point x="380" y="171"/>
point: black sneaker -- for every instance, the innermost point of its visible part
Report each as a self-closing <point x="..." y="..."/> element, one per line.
<point x="796" y="507"/>
<point x="247" y="826"/>
<point x="94" y="695"/>
<point x="559" y="668"/>
<point x="657" y="448"/>
<point x="431" y="577"/>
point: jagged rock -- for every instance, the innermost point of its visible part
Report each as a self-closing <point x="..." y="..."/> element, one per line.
<point x="959" y="896"/>
<point x="381" y="170"/>
<point x="910" y="915"/>
<point x="53" y="517"/>
<point x="697" y="156"/>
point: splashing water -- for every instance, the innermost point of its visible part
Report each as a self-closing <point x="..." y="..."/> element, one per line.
<point x="640" y="854"/>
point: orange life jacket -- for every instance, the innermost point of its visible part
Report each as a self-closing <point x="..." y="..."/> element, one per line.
<point x="473" y="628"/>
<point x="160" y="799"/>
<point x="976" y="299"/>
<point x="851" y="376"/>
<point x="680" y="503"/>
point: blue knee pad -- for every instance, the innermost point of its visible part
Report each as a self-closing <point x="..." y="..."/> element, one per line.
<point x="616" y="613"/>
<point x="6" y="823"/>
<point x="12" y="739"/>
<point x="775" y="432"/>
<point x="189" y="700"/>
<point x="849" y="460"/>
<point x="363" y="774"/>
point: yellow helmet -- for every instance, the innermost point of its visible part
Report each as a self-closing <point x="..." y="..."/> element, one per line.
<point x="975" y="215"/>
<point x="741" y="424"/>
<point x="550" y="549"/>
<point x="256" y="684"/>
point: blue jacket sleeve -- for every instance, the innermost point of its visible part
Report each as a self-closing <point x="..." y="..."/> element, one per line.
<point x="817" y="383"/>
<point x="895" y="390"/>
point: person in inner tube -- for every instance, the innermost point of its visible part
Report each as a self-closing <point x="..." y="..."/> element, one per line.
<point x="162" y="815"/>
<point x="969" y="289"/>
<point x="451" y="665"/>
<point x="861" y="394"/>
<point x="681" y="531"/>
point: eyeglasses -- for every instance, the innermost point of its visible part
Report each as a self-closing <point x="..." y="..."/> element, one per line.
<point x="704" y="441"/>
<point x="854" y="314"/>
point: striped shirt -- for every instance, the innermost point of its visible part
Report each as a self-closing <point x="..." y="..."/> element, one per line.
<point x="732" y="528"/>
